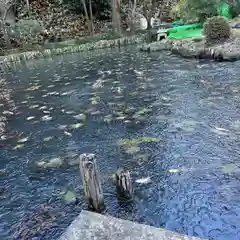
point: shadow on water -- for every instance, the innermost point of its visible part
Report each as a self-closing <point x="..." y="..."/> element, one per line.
<point x="182" y="119"/>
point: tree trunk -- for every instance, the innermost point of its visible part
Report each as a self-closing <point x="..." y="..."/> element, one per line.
<point x="7" y="16"/>
<point x="133" y="14"/>
<point x="149" y="25"/>
<point x="116" y="18"/>
<point x="87" y="17"/>
<point x="91" y="18"/>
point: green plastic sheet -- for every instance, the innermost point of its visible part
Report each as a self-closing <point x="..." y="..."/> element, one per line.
<point x="185" y="31"/>
<point x="195" y="30"/>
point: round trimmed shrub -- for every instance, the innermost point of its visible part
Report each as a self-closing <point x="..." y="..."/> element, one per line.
<point x="216" y="28"/>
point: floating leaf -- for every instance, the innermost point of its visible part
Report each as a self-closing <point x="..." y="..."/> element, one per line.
<point x="68" y="196"/>
<point x="30" y="118"/>
<point x="34" y="106"/>
<point x="46" y="112"/>
<point x="77" y="125"/>
<point x="144" y="180"/>
<point x="108" y="118"/>
<point x="236" y="124"/>
<point x="80" y="116"/>
<point x="174" y="170"/>
<point x="41" y="164"/>
<point x="136" y="141"/>
<point x="23" y="140"/>
<point x="46" y="118"/>
<point x="62" y="127"/>
<point x="33" y="88"/>
<point x="47" y="139"/>
<point x="18" y="146"/>
<point x="95" y="100"/>
<point x="67" y="133"/>
<point x="220" y="131"/>
<point x="66" y="93"/>
<point x="69" y="112"/>
<point x="132" y="150"/>
<point x="133" y="94"/>
<point x="55" y="162"/>
<point x="229" y="168"/>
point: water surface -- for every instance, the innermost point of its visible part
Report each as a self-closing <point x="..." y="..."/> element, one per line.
<point x="190" y="107"/>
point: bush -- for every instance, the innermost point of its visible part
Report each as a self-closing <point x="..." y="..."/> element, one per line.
<point x="25" y="31"/>
<point x="216" y="28"/>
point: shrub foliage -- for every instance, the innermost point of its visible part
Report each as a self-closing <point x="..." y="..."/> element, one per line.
<point x="216" y="28"/>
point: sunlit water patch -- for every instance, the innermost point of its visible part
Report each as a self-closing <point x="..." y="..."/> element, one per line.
<point x="173" y="123"/>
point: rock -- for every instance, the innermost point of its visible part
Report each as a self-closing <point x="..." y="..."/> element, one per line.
<point x="165" y="44"/>
<point x="89" y="225"/>
<point x="227" y="51"/>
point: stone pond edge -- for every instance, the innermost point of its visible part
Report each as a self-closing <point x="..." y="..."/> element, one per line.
<point x="196" y="48"/>
<point x="101" y="44"/>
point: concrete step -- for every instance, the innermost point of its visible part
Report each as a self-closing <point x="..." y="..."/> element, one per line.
<point x="93" y="226"/>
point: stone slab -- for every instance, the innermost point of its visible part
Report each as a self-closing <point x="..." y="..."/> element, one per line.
<point x="93" y="226"/>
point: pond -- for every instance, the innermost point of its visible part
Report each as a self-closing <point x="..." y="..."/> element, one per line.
<point x="174" y="123"/>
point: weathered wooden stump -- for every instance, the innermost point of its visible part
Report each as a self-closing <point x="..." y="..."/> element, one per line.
<point x="91" y="182"/>
<point x="123" y="183"/>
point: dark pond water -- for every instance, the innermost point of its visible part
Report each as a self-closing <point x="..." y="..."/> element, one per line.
<point x="186" y="113"/>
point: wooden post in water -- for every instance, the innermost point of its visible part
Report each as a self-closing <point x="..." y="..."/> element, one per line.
<point x="123" y="183"/>
<point x="91" y="182"/>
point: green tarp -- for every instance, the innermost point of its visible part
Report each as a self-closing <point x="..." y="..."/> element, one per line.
<point x="224" y="10"/>
<point x="195" y="30"/>
<point x="185" y="31"/>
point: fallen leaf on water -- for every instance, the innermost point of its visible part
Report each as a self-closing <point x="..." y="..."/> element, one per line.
<point x="77" y="125"/>
<point x="18" y="146"/>
<point x="33" y="88"/>
<point x="69" y="112"/>
<point x="144" y="180"/>
<point x="62" y="127"/>
<point x="7" y="113"/>
<point x="132" y="150"/>
<point x="46" y="112"/>
<point x="236" y="124"/>
<point x="80" y="116"/>
<point x="41" y="164"/>
<point x="174" y="170"/>
<point x="23" y="140"/>
<point x="30" y="118"/>
<point x="34" y="106"/>
<point x="46" y="118"/>
<point x="229" y="168"/>
<point x="55" y="162"/>
<point x="68" y="196"/>
<point x="67" y="133"/>
<point x="47" y="139"/>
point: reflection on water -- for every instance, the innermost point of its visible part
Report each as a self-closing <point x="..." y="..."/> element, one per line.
<point x="182" y="119"/>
